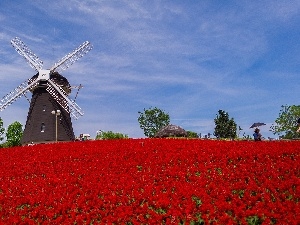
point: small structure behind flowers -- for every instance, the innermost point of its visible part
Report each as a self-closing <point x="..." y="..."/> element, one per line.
<point x="84" y="137"/>
<point x="171" y="131"/>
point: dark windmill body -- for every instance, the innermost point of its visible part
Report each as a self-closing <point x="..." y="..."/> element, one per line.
<point x="50" y="111"/>
<point x="41" y="125"/>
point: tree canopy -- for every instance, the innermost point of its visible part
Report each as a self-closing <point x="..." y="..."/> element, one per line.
<point x="225" y="127"/>
<point x="104" y="135"/>
<point x="286" y="123"/>
<point x="152" y="119"/>
<point x="14" y="134"/>
<point x="192" y="134"/>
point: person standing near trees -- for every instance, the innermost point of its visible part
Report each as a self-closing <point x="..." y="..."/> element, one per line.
<point x="257" y="136"/>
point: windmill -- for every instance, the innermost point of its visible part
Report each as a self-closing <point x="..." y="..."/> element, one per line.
<point x="51" y="109"/>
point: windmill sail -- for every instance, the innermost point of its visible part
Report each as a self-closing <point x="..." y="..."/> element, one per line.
<point x="17" y="92"/>
<point x="72" y="57"/>
<point x="61" y="97"/>
<point x="24" y="51"/>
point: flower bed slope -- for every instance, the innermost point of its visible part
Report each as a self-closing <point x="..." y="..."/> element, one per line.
<point x="151" y="181"/>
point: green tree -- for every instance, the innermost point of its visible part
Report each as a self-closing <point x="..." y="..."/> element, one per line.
<point x="152" y="119"/>
<point x="286" y="123"/>
<point x="192" y="134"/>
<point x="225" y="127"/>
<point x="14" y="134"/>
<point x="105" y="135"/>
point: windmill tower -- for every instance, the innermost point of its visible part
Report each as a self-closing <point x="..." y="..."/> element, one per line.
<point x="51" y="109"/>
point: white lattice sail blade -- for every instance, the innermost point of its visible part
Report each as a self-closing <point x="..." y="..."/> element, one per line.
<point x="72" y="57"/>
<point x="17" y="92"/>
<point x="62" y="98"/>
<point x="29" y="56"/>
<point x="58" y="97"/>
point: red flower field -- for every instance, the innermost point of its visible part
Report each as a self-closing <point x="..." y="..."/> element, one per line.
<point x="151" y="181"/>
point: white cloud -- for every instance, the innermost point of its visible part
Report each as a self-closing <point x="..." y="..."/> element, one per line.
<point x="204" y="55"/>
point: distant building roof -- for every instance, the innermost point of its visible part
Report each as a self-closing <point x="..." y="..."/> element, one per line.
<point x="171" y="131"/>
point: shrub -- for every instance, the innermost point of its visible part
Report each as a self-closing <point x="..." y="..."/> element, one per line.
<point x="105" y="135"/>
<point x="192" y="134"/>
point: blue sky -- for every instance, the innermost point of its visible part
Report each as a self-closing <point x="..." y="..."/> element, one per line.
<point x="188" y="58"/>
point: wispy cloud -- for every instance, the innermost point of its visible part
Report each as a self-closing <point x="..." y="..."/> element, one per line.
<point x="190" y="58"/>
